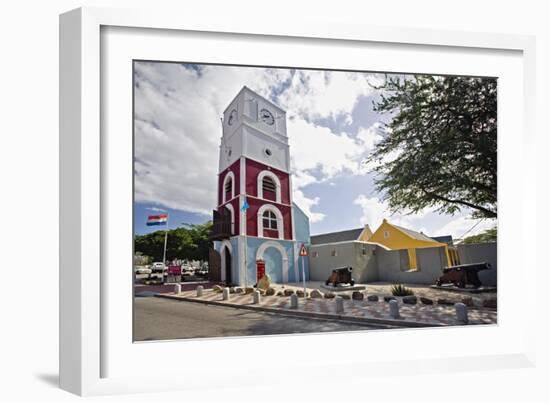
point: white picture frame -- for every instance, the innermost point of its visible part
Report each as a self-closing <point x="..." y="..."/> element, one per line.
<point x="86" y="311"/>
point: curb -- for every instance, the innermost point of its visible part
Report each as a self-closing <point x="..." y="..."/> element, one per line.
<point x="302" y="314"/>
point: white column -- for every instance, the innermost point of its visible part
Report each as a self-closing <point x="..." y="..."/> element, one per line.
<point x="339" y="304"/>
<point x="461" y="313"/>
<point x="294" y="301"/>
<point x="256" y="297"/>
<point x="394" y="309"/>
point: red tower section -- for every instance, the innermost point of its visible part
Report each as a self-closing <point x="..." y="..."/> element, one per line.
<point x="268" y="194"/>
<point x="267" y="191"/>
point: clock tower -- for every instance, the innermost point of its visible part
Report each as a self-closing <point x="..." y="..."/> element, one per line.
<point x="254" y="220"/>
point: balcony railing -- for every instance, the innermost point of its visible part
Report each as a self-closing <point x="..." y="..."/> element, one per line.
<point x="221" y="226"/>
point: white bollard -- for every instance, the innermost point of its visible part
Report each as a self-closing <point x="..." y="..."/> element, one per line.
<point x="200" y="289"/>
<point x="177" y="289"/>
<point x="294" y="301"/>
<point x="461" y="313"/>
<point x="339" y="304"/>
<point x="394" y="309"/>
<point x="256" y="297"/>
<point x="225" y="295"/>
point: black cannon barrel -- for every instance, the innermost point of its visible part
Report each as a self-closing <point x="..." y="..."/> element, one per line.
<point x="343" y="269"/>
<point x="470" y="267"/>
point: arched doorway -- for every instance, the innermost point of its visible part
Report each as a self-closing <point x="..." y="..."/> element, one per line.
<point x="227" y="261"/>
<point x="225" y="252"/>
<point x="276" y="260"/>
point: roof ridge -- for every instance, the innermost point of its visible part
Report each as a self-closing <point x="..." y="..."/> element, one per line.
<point x="414" y="234"/>
<point x="337" y="232"/>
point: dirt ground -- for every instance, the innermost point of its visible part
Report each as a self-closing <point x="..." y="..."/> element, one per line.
<point x="381" y="289"/>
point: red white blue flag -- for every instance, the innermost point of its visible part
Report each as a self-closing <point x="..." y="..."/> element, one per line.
<point x="160" y="219"/>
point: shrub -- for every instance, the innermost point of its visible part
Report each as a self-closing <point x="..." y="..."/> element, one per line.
<point x="399" y="290"/>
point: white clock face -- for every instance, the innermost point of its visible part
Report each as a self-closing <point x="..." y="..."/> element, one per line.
<point x="267" y="117"/>
<point x="232" y="117"/>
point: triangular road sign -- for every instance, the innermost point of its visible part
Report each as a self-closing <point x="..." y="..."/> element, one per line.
<point x="303" y="250"/>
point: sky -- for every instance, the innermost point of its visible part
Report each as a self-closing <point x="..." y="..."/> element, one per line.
<point x="331" y="126"/>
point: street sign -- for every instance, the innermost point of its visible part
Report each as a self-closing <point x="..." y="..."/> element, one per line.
<point x="303" y="253"/>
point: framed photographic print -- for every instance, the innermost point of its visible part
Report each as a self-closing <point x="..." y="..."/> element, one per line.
<point x="227" y="191"/>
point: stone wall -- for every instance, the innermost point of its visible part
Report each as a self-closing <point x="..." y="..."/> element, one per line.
<point x="477" y="253"/>
<point x="366" y="262"/>
<point x="372" y="262"/>
<point x="393" y="265"/>
<point x="360" y="256"/>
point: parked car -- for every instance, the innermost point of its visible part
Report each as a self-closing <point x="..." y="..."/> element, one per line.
<point x="201" y="272"/>
<point x="158" y="267"/>
<point x="187" y="273"/>
<point x="142" y="270"/>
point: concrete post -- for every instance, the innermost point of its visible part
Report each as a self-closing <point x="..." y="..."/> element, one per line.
<point x="394" y="309"/>
<point x="177" y="289"/>
<point x="294" y="301"/>
<point x="225" y="295"/>
<point x="339" y="304"/>
<point x="256" y="297"/>
<point x="461" y="313"/>
<point x="200" y="289"/>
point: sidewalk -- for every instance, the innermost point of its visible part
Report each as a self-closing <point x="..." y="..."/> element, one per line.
<point x="418" y="315"/>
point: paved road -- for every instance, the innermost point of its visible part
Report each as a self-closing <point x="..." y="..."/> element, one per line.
<point x="164" y="319"/>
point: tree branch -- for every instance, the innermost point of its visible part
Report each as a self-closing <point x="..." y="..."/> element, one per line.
<point x="488" y="213"/>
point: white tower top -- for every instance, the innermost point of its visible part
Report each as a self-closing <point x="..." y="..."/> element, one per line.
<point x="254" y="127"/>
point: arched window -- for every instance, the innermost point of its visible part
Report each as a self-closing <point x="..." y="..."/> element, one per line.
<point x="269" y="186"/>
<point x="269" y="220"/>
<point x="228" y="189"/>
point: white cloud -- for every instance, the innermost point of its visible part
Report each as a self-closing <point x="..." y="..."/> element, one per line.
<point x="177" y="128"/>
<point x="306" y="204"/>
<point x="321" y="94"/>
<point x="370" y="135"/>
<point x="375" y="210"/>
<point x="317" y="147"/>
<point x="156" y="209"/>
<point x="459" y="226"/>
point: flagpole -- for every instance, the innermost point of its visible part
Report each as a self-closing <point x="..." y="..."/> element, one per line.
<point x="165" y="241"/>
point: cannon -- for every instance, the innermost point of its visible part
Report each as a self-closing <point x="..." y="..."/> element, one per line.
<point x="463" y="275"/>
<point x="341" y="275"/>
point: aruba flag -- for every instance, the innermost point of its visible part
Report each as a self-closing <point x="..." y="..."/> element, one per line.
<point x="245" y="205"/>
<point x="160" y="219"/>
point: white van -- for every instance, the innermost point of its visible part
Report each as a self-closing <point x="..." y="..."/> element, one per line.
<point x="158" y="267"/>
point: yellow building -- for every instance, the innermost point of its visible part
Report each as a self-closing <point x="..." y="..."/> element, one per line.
<point x="395" y="237"/>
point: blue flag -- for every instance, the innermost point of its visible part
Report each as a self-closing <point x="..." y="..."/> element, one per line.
<point x="245" y="205"/>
